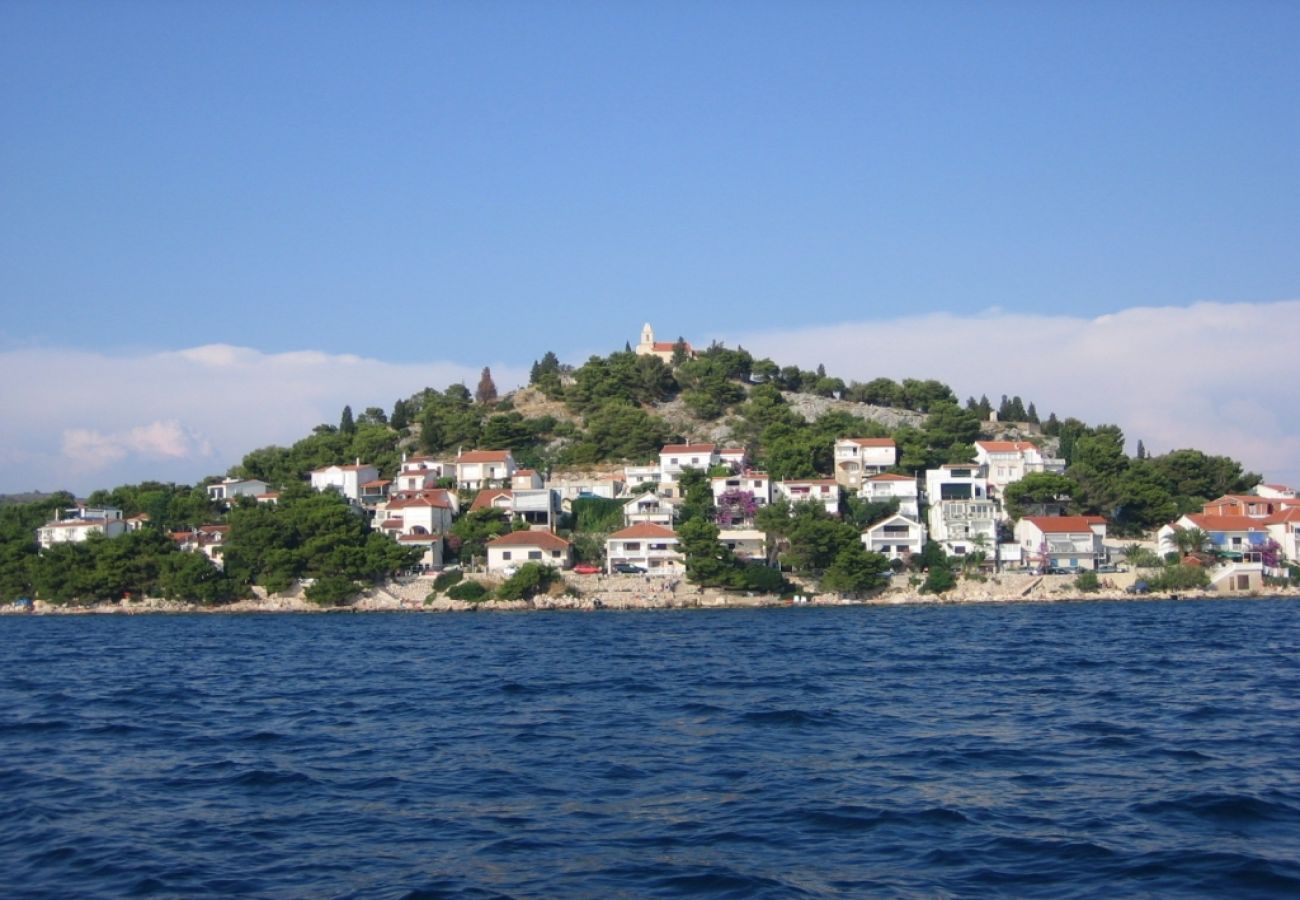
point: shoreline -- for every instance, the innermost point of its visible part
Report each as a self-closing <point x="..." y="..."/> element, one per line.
<point x="617" y="593"/>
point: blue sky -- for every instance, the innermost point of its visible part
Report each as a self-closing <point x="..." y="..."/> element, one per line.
<point x="436" y="187"/>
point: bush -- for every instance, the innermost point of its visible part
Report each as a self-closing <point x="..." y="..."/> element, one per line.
<point x="331" y="590"/>
<point x="446" y="580"/>
<point x="763" y="579"/>
<point x="1180" y="578"/>
<point x="531" y="580"/>
<point x="1087" y="582"/>
<point x="938" y="580"/>
<point x="468" y="591"/>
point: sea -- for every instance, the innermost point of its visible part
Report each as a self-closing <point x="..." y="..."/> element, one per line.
<point x="1116" y="749"/>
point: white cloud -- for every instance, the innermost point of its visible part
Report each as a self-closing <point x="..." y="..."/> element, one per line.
<point x="82" y="420"/>
<point x="1220" y="377"/>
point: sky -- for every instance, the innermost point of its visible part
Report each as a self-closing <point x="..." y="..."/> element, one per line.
<point x="222" y="222"/>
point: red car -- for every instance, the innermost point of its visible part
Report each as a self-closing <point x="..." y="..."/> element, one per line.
<point x="586" y="569"/>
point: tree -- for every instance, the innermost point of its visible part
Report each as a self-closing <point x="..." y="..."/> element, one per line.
<point x="346" y="424"/>
<point x="531" y="579"/>
<point x="709" y="562"/>
<point x="487" y="389"/>
<point x="856" y="570"/>
<point x="1040" y="494"/>
<point x="1191" y="540"/>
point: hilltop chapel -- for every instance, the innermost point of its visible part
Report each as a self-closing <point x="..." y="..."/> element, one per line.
<point x="662" y="349"/>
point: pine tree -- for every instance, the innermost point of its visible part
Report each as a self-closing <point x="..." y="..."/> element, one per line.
<point x="1141" y="450"/>
<point x="347" y="425"/>
<point x="985" y="408"/>
<point x="487" y="389"/>
<point x="1004" y="409"/>
<point x="1032" y="415"/>
<point x="401" y="416"/>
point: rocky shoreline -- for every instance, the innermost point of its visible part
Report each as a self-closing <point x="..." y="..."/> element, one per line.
<point x="600" y="592"/>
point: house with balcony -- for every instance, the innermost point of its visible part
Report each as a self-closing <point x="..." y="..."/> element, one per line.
<point x="1234" y="537"/>
<point x="825" y="491"/>
<point x="1284" y="528"/>
<point x="228" y="490"/>
<point x="1061" y="542"/>
<point x="962" y="517"/>
<point x="897" y="537"/>
<point x="206" y="539"/>
<point x="1244" y="505"/>
<point x="375" y="492"/>
<point x="477" y="469"/>
<point x="887" y="487"/>
<point x="857" y="458"/>
<point x="635" y="476"/>
<point x="347" y="480"/>
<point x="509" y="551"/>
<point x="676" y="458"/>
<point x="755" y="484"/>
<point x="1006" y="462"/>
<point x="734" y="457"/>
<point x="649" y="508"/>
<point x="651" y="547"/>
<point x="418" y="473"/>
<point x="76" y="524"/>
<point x="747" y="543"/>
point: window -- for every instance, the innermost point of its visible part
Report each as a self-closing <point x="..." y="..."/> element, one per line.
<point x="632" y="545"/>
<point x="505" y="554"/>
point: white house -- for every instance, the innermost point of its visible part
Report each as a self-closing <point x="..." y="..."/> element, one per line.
<point x="1064" y="542"/>
<point x="674" y="458"/>
<point x="962" y="516"/>
<point x="206" y="539"/>
<point x="229" y="489"/>
<point x="856" y="458"/>
<point x="812" y="490"/>
<point x="424" y="513"/>
<point x="746" y="543"/>
<point x="635" y="476"/>
<point x="484" y="468"/>
<point x="1274" y="491"/>
<point x="512" y="550"/>
<point x="1006" y="462"/>
<point x="1284" y="527"/>
<point x="897" y="536"/>
<point x="887" y="487"/>
<point x="735" y="457"/>
<point x="756" y="483"/>
<point x="574" y="487"/>
<point x="649" y="508"/>
<point x="76" y="524"/>
<point x="419" y="473"/>
<point x="651" y="547"/>
<point x="347" y="480"/>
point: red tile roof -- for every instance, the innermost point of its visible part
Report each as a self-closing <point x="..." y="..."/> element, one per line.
<point x="1005" y="446"/>
<point x="543" y="539"/>
<point x="483" y="499"/>
<point x="890" y="476"/>
<point x="1226" y="523"/>
<point x="871" y="442"/>
<point x="644" y="530"/>
<point x="1065" y="524"/>
<point x="688" y="448"/>
<point x="482" y="456"/>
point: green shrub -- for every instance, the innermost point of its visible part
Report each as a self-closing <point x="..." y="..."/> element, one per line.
<point x="938" y="580"/>
<point x="1087" y="582"/>
<point x="446" y="579"/>
<point x="763" y="579"/>
<point x="1180" y="578"/>
<point x="331" y="590"/>
<point x="468" y="591"/>
<point x="531" y="580"/>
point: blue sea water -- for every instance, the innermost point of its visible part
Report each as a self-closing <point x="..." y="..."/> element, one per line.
<point x="1034" y="750"/>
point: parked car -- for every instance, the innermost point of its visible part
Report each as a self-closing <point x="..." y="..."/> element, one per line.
<point x="587" y="569"/>
<point x="628" y="569"/>
<point x="1137" y="587"/>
